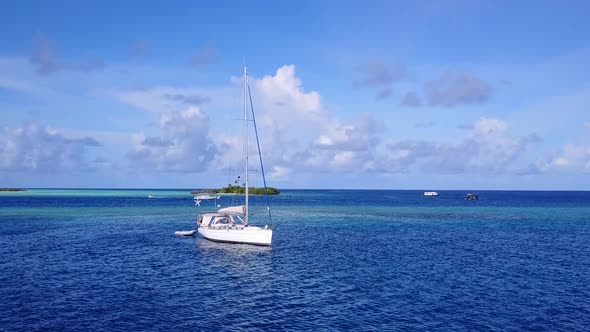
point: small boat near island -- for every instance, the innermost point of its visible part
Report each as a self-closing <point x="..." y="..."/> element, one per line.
<point x="232" y="224"/>
<point x="430" y="193"/>
<point x="206" y="196"/>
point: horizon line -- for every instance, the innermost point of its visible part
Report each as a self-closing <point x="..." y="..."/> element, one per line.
<point x="343" y="189"/>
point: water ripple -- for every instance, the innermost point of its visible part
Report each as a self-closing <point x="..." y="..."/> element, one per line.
<point x="97" y="266"/>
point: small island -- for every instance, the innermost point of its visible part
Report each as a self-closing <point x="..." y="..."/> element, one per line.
<point x="11" y="190"/>
<point x="231" y="189"/>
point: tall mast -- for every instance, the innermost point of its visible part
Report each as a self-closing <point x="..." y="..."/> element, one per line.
<point x="246" y="140"/>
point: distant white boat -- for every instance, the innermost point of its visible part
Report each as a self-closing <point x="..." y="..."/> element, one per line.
<point x="185" y="233"/>
<point x="151" y="196"/>
<point x="205" y="196"/>
<point x="231" y="224"/>
<point x="430" y="193"/>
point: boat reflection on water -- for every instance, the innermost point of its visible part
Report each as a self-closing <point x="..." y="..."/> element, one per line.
<point x="252" y="265"/>
<point x="236" y="249"/>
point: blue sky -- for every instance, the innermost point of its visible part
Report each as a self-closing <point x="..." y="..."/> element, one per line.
<point x="357" y="94"/>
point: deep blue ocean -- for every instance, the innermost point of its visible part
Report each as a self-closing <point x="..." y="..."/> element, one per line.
<point x="108" y="260"/>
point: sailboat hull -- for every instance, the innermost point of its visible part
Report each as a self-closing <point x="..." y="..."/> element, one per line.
<point x="248" y="235"/>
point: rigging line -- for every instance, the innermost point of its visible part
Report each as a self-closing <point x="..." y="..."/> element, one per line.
<point x="260" y="155"/>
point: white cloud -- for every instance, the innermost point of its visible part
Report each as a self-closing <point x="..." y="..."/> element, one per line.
<point x="572" y="157"/>
<point x="353" y="137"/>
<point x="279" y="173"/>
<point x="561" y="162"/>
<point x="35" y="148"/>
<point x="487" y="149"/>
<point x="285" y="90"/>
<point x="342" y="159"/>
<point x="316" y="160"/>
<point x="299" y="135"/>
<point x="344" y="147"/>
<point x="282" y="107"/>
<point x="358" y="147"/>
<point x="333" y="145"/>
<point x="287" y="117"/>
<point x="487" y="126"/>
<point x="183" y="146"/>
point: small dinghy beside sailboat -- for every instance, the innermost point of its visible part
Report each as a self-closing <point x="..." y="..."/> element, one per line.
<point x="185" y="233"/>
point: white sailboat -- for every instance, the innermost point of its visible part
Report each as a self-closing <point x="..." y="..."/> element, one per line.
<point x="231" y="224"/>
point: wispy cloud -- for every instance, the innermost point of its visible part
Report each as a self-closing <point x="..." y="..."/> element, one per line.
<point x="377" y="74"/>
<point x="45" y="56"/>
<point x="411" y="99"/>
<point x="205" y="57"/>
<point x="425" y="124"/>
<point x="384" y="93"/>
<point x="162" y="99"/>
<point x="16" y="85"/>
<point x="466" y="126"/>
<point x="140" y="48"/>
<point x="47" y="60"/>
<point x="188" y="98"/>
<point x="453" y="89"/>
<point x="156" y="142"/>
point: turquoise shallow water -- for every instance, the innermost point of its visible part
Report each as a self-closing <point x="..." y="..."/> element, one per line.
<point x="364" y="260"/>
<point x="143" y="193"/>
